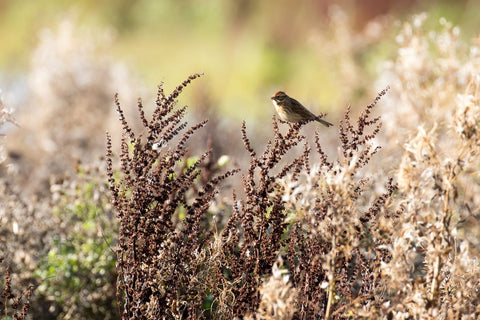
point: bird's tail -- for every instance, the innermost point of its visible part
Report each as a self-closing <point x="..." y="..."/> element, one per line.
<point x="325" y="123"/>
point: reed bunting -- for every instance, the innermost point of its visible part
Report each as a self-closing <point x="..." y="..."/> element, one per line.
<point x="291" y="110"/>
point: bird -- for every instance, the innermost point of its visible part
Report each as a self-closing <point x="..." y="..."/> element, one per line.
<point x="291" y="110"/>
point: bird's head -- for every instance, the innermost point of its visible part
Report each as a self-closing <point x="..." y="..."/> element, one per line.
<point x="279" y="96"/>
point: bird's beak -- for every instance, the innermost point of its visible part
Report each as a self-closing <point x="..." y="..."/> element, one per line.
<point x="273" y="98"/>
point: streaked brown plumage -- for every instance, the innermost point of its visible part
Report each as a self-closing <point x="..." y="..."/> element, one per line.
<point x="291" y="110"/>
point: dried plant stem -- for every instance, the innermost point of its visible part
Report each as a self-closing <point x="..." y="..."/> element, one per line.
<point x="330" y="298"/>
<point x="436" y="272"/>
<point x="437" y="263"/>
<point x="331" y="280"/>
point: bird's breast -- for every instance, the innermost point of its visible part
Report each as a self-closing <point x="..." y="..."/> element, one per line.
<point x="281" y="111"/>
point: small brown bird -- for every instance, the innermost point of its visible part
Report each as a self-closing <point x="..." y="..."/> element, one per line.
<point x="291" y="110"/>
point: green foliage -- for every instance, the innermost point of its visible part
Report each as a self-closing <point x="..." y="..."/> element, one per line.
<point x="78" y="272"/>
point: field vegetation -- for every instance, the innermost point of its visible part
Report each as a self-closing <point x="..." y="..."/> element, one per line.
<point x="180" y="212"/>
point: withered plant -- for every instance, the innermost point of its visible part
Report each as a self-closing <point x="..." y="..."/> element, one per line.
<point x="335" y="244"/>
<point x="10" y="302"/>
<point x="253" y="236"/>
<point x="162" y="231"/>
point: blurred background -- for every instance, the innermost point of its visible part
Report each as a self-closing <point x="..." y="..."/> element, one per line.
<point x="61" y="62"/>
<point x="326" y="52"/>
